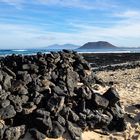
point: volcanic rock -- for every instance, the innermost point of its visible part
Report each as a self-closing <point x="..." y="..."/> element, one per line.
<point x="14" y="133"/>
<point x="75" y="132"/>
<point x="112" y="95"/>
<point x="7" y="112"/>
<point x="50" y="94"/>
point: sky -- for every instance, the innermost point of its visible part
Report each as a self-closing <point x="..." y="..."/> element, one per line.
<point x="39" y="23"/>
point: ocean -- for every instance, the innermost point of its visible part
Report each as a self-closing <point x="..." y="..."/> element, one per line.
<point x="34" y="51"/>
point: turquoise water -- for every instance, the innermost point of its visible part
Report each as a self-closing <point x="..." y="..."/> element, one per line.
<point x="34" y="51"/>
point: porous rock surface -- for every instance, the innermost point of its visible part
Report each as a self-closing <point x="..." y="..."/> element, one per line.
<point x="51" y="94"/>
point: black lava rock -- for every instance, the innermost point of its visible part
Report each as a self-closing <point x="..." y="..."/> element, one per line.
<point x="7" y="112"/>
<point x="14" y="133"/>
<point x="112" y="95"/>
<point x="75" y="132"/>
<point x="50" y="94"/>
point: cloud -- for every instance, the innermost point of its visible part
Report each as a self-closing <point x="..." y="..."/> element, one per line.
<point x="16" y="3"/>
<point x="84" y="4"/>
<point x="128" y="14"/>
<point x="123" y="28"/>
<point x="123" y="33"/>
<point x="19" y="35"/>
<point x="27" y="36"/>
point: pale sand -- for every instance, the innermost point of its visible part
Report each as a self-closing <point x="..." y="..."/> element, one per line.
<point x="127" y="83"/>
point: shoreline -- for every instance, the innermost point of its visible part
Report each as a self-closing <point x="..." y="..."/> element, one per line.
<point x="84" y="53"/>
<point x="127" y="82"/>
<point x="121" y="66"/>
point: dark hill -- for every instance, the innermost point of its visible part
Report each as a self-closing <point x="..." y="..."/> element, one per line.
<point x="98" y="45"/>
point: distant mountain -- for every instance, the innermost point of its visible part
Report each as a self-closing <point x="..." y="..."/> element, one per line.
<point x="64" y="46"/>
<point x="98" y="45"/>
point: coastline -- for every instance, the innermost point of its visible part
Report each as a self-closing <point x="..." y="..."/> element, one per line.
<point x="124" y="75"/>
<point x="126" y="79"/>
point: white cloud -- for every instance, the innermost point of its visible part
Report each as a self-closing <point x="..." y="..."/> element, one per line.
<point x="32" y="37"/>
<point x="123" y="31"/>
<point x="84" y="4"/>
<point x="126" y="33"/>
<point x="128" y="14"/>
<point x="16" y="3"/>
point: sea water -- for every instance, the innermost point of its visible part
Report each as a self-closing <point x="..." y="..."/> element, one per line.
<point x="34" y="51"/>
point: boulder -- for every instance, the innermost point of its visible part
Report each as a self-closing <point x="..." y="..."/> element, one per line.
<point x="7" y="112"/>
<point x="14" y="133"/>
<point x="112" y="95"/>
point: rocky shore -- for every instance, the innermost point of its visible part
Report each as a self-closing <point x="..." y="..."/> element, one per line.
<point x="113" y="61"/>
<point x="104" y="59"/>
<point x="127" y="82"/>
<point x="59" y="95"/>
<point x="123" y="74"/>
<point x="49" y="95"/>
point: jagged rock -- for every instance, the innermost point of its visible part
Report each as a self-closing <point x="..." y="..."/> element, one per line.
<point x="71" y="81"/>
<point x="112" y="95"/>
<point x="37" y="135"/>
<point x="4" y="103"/>
<point x="106" y="119"/>
<point x="25" y="67"/>
<point x="4" y="94"/>
<point x="19" y="87"/>
<point x="43" y="124"/>
<point x="57" y="130"/>
<point x="85" y="92"/>
<point x="55" y="104"/>
<point x="43" y="121"/>
<point x="2" y="129"/>
<point x="117" y="124"/>
<point x="73" y="116"/>
<point x="50" y="94"/>
<point x="42" y="113"/>
<point x="14" y="133"/>
<point x="42" y="61"/>
<point x="1" y="76"/>
<point x="25" y="76"/>
<point x="31" y="67"/>
<point x="28" y="109"/>
<point x="7" y="112"/>
<point x="37" y="100"/>
<point x="93" y="118"/>
<point x="117" y="111"/>
<point x="58" y="91"/>
<point x="61" y="120"/>
<point x="75" y="132"/>
<point x="7" y="82"/>
<point x="100" y="101"/>
<point x="10" y="72"/>
<point x="18" y="101"/>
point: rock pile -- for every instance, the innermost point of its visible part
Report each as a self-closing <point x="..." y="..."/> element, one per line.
<point x="50" y="94"/>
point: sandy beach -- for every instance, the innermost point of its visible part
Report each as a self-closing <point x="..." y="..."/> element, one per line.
<point x="127" y="83"/>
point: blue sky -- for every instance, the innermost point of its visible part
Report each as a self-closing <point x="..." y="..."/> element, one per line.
<point x="39" y="23"/>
